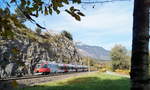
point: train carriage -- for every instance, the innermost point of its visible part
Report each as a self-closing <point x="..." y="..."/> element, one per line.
<point x="50" y="67"/>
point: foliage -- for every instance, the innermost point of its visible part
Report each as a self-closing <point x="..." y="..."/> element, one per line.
<point x="33" y="7"/>
<point x="90" y="61"/>
<point x="27" y="9"/>
<point x="122" y="71"/>
<point x="102" y="70"/>
<point x="120" y="58"/>
<point x="94" y="81"/>
<point x="7" y="23"/>
<point x="67" y="35"/>
<point x="105" y="66"/>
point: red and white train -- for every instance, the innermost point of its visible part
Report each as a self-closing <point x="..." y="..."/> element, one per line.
<point x="49" y="67"/>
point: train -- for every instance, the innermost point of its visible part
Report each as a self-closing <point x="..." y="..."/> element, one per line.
<point x="50" y="67"/>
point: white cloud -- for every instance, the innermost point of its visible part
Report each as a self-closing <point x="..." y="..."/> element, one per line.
<point x="110" y="24"/>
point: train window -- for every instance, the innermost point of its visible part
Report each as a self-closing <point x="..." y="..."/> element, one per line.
<point x="38" y="66"/>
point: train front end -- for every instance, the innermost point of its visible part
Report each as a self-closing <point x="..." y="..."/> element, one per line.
<point x="42" y="69"/>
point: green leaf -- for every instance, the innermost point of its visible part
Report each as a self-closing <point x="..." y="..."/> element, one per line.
<point x="46" y="11"/>
<point x="72" y="8"/>
<point x="76" y="1"/>
<point x="65" y="1"/>
<point x="50" y="10"/>
<point x="28" y="2"/>
<point x="60" y="4"/>
<point x="77" y="17"/>
<point x="80" y="13"/>
<point x="37" y="13"/>
<point x="23" y="3"/>
<point x="56" y="10"/>
<point x="68" y="12"/>
<point x="40" y="8"/>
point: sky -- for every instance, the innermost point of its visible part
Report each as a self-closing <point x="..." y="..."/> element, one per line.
<point x="104" y="25"/>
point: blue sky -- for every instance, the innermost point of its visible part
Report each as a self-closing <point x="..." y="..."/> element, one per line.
<point x="105" y="25"/>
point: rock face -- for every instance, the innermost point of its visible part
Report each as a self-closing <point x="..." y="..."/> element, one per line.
<point x="21" y="53"/>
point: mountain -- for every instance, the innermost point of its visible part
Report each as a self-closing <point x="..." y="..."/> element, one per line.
<point x="96" y="52"/>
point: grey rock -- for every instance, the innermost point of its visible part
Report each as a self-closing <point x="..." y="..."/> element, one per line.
<point x="21" y="54"/>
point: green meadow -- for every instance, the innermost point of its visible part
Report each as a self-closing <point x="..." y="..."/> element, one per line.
<point x="91" y="81"/>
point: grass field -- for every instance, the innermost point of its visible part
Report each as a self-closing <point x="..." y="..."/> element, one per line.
<point x="93" y="81"/>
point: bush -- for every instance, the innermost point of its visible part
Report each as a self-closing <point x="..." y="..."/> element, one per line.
<point x="120" y="71"/>
<point x="67" y="35"/>
<point x="102" y="70"/>
<point x="120" y="58"/>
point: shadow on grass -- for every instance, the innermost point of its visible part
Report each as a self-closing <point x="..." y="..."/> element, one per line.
<point x="86" y="83"/>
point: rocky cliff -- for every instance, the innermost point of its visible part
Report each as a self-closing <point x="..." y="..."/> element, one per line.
<point x="20" y="53"/>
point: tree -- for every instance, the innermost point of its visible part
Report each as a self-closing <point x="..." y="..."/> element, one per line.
<point x="120" y="59"/>
<point x="67" y="35"/>
<point x="140" y="46"/>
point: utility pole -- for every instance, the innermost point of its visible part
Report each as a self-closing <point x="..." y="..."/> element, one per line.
<point x="88" y="64"/>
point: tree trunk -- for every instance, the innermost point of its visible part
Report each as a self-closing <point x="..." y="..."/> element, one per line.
<point x="140" y="47"/>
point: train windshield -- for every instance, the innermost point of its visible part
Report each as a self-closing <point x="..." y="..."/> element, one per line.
<point x="38" y="66"/>
<point x="45" y="66"/>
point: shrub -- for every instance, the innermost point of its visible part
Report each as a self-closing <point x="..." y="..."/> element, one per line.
<point x="120" y="71"/>
<point x="67" y="35"/>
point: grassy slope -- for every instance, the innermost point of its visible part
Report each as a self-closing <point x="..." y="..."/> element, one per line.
<point x="96" y="81"/>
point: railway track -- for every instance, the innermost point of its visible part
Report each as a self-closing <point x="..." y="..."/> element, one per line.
<point x="37" y="76"/>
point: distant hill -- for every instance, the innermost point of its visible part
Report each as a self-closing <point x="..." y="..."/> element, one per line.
<point x="96" y="52"/>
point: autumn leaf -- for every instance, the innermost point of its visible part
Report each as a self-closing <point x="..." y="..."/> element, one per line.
<point x="77" y="17"/>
